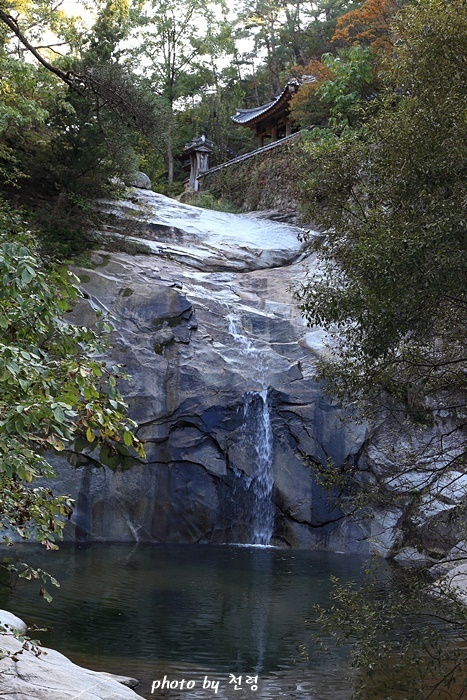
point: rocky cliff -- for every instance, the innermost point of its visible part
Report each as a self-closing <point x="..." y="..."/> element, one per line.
<point x="207" y="328"/>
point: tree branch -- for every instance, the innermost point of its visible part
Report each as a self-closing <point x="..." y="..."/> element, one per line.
<point x="69" y="78"/>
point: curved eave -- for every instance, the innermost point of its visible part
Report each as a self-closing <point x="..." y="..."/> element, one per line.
<point x="249" y="117"/>
<point x="199" y="144"/>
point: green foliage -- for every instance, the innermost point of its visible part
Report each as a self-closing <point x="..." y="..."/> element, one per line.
<point x="54" y="387"/>
<point x="263" y="20"/>
<point x="206" y="200"/>
<point x="24" y="98"/>
<point x="391" y="291"/>
<point x="408" y="638"/>
<point x="286" y="33"/>
<point x="352" y="74"/>
<point x="112" y="26"/>
<point x="181" y="40"/>
<point x="23" y="570"/>
<point x="391" y="194"/>
<point x="213" y="114"/>
<point x="64" y="143"/>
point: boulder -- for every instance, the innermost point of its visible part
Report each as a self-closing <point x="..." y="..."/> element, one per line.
<point x="11" y="623"/>
<point x="140" y="180"/>
<point x="37" y="673"/>
<point x="410" y="556"/>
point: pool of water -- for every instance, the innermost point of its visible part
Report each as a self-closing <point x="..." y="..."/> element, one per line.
<point x="199" y="614"/>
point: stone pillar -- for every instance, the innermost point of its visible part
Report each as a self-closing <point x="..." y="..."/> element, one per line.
<point x="199" y="151"/>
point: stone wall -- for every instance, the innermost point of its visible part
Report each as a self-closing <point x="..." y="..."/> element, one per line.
<point x="270" y="179"/>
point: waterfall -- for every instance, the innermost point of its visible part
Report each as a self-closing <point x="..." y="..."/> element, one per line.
<point x="257" y="438"/>
<point x="248" y="350"/>
<point x="258" y="434"/>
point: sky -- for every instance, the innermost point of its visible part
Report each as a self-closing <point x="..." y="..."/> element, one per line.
<point x="77" y="8"/>
<point x="74" y="7"/>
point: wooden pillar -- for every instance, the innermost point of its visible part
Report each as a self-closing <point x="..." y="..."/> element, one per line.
<point x="274" y="133"/>
<point x="260" y="141"/>
<point x="288" y="128"/>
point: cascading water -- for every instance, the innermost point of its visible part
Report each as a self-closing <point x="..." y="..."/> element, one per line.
<point x="257" y="437"/>
<point x="258" y="433"/>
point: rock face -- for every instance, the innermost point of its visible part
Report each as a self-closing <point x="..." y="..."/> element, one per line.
<point x="417" y="467"/>
<point x="205" y="323"/>
<point x="34" y="672"/>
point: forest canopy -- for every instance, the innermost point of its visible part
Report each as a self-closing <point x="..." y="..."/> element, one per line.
<point x="129" y="84"/>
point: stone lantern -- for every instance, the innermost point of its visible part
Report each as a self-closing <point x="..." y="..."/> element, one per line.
<point x="198" y="151"/>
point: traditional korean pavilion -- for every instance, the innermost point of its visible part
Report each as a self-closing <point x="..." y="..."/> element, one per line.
<point x="272" y="119"/>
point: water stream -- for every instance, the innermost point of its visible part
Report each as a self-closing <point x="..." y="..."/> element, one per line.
<point x="258" y="435"/>
<point x="256" y="483"/>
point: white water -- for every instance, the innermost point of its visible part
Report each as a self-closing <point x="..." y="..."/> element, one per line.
<point x="258" y="440"/>
<point x="203" y="239"/>
<point x="258" y="432"/>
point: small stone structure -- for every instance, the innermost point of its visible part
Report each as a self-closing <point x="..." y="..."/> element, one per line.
<point x="199" y="151"/>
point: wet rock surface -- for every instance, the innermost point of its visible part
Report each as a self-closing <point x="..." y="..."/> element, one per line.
<point x="195" y="342"/>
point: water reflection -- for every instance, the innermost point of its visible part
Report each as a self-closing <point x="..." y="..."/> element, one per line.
<point x="191" y="612"/>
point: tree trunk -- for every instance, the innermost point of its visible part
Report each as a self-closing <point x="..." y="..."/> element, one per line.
<point x="170" y="155"/>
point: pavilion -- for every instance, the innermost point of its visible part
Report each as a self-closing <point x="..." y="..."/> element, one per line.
<point x="272" y="119"/>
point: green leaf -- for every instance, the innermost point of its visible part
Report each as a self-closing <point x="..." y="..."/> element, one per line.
<point x="46" y="595"/>
<point x="59" y="414"/>
<point x="27" y="275"/>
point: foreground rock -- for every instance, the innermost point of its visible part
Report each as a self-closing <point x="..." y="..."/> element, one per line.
<point x="37" y="673"/>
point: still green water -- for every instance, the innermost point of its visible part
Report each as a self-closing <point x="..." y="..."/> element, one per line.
<point x="194" y="613"/>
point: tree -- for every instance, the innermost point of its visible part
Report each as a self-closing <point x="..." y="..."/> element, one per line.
<point x="307" y="108"/>
<point x="55" y="386"/>
<point x="408" y="638"/>
<point x="264" y="20"/>
<point x="369" y="25"/>
<point x="352" y="82"/>
<point x="72" y="124"/>
<point x="392" y="294"/>
<point x="322" y="17"/>
<point x="40" y="17"/>
<point x="342" y="83"/>
<point x="111" y="27"/>
<point x="180" y="38"/>
<point x="392" y="291"/>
